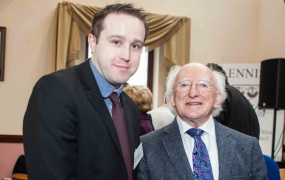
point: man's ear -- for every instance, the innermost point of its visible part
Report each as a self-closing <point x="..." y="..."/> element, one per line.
<point x="218" y="100"/>
<point x="91" y="42"/>
<point x="172" y="99"/>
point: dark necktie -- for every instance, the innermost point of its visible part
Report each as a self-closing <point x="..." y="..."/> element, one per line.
<point x="121" y="128"/>
<point x="202" y="168"/>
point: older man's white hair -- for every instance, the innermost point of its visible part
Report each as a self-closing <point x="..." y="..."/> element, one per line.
<point x="169" y="86"/>
<point x="220" y="85"/>
<point x="219" y="81"/>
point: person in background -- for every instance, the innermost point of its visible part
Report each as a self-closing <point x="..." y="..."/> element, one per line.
<point x="237" y="113"/>
<point x="142" y="96"/>
<point x="78" y="123"/>
<point x="195" y="146"/>
<point x="161" y="116"/>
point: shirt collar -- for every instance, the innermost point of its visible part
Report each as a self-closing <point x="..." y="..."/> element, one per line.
<point x="208" y="127"/>
<point x="104" y="86"/>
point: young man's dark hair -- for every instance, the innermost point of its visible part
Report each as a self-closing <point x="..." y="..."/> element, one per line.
<point x="128" y="9"/>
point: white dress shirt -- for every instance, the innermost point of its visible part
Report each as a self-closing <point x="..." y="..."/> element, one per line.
<point x="208" y="137"/>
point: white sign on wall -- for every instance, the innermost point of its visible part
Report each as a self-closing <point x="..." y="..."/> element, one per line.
<point x="245" y="77"/>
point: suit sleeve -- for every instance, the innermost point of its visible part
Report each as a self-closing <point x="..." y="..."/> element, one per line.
<point x="258" y="163"/>
<point x="49" y="131"/>
<point x="253" y="122"/>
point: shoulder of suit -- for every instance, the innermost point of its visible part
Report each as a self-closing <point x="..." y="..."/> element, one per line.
<point x="153" y="136"/>
<point x="59" y="79"/>
<point x="224" y="130"/>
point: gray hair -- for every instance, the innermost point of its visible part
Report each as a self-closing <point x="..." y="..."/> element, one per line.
<point x="219" y="84"/>
<point x="169" y="86"/>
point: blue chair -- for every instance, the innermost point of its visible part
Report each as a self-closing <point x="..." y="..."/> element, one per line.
<point x="273" y="172"/>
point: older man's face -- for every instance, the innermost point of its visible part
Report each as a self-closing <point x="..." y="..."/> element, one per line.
<point x="194" y="94"/>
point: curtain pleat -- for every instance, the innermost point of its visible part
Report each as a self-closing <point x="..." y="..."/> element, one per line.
<point x="170" y="31"/>
<point x="63" y="35"/>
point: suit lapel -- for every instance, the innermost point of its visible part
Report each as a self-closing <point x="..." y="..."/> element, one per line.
<point x="173" y="145"/>
<point x="225" y="151"/>
<point x="93" y="93"/>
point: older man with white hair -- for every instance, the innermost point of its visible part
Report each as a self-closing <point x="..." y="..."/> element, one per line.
<point x="195" y="146"/>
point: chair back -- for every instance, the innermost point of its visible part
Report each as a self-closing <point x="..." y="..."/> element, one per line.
<point x="282" y="174"/>
<point x="19" y="176"/>
<point x="273" y="171"/>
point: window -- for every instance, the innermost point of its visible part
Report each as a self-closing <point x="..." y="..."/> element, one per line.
<point x="140" y="77"/>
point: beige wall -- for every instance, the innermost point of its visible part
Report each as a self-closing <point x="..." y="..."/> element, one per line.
<point x="271" y="31"/>
<point x="222" y="31"/>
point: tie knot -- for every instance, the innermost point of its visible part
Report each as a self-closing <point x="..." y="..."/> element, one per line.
<point x="195" y="132"/>
<point x="114" y="98"/>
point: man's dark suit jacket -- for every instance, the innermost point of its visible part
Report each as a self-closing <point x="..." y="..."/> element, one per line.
<point x="68" y="131"/>
<point x="240" y="156"/>
<point x="238" y="113"/>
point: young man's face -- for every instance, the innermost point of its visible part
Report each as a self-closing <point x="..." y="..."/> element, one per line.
<point x="117" y="54"/>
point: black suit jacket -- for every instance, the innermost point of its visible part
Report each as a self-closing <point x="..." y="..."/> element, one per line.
<point x="68" y="132"/>
<point x="238" y="113"/>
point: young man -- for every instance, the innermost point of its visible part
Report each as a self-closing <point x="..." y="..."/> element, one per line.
<point x="195" y="146"/>
<point x="70" y="130"/>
